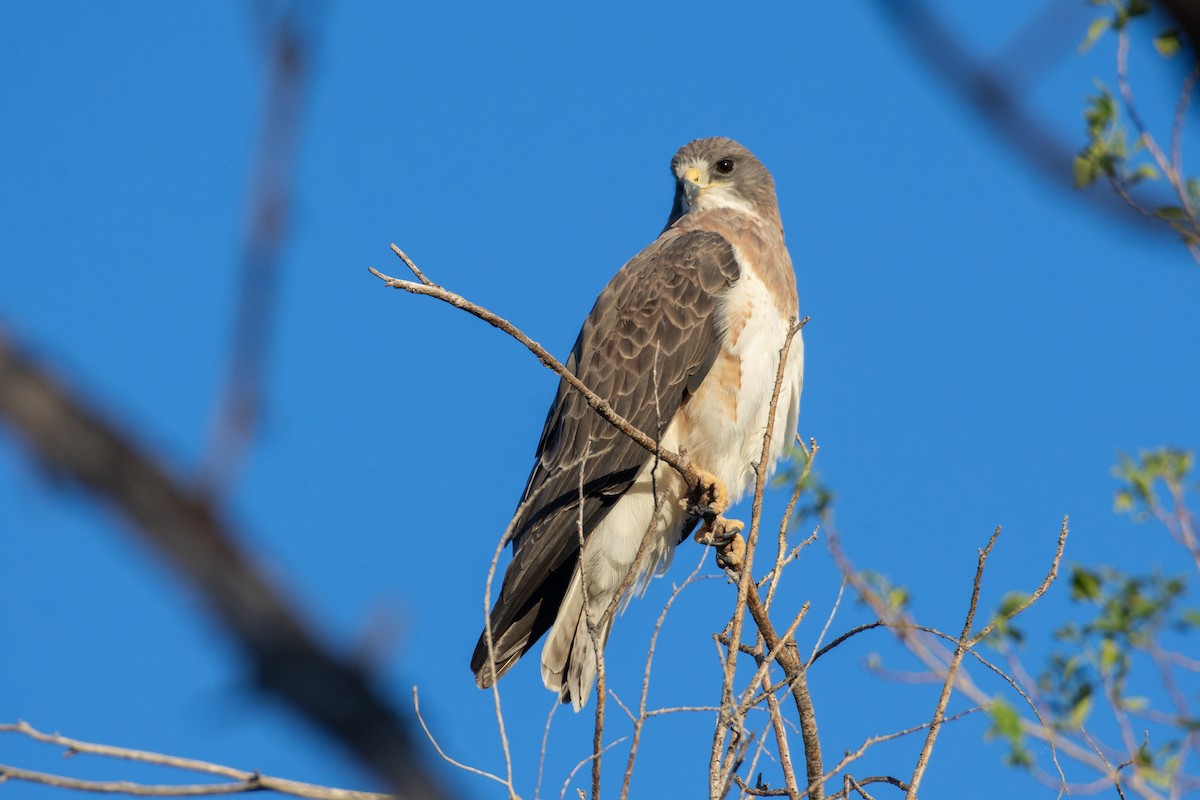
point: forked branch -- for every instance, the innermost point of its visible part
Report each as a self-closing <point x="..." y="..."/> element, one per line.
<point x="238" y="780"/>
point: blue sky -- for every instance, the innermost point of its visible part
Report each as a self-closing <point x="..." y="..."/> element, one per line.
<point x="981" y="347"/>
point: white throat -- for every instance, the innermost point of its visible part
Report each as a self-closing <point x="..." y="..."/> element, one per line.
<point x="718" y="196"/>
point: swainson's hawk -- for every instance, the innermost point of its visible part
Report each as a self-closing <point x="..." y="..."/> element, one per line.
<point x="684" y="343"/>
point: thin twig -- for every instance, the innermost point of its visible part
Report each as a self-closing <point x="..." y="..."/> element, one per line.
<point x="1051" y="574"/>
<point x="244" y="780"/>
<point x="858" y="783"/>
<point x="1170" y="168"/>
<point x="828" y="621"/>
<point x="580" y="765"/>
<point x="123" y="787"/>
<point x="448" y="759"/>
<point x="852" y="756"/>
<point x="904" y="629"/>
<point x="1114" y="775"/>
<point x="781" y="741"/>
<point x="848" y="634"/>
<point x="951" y="670"/>
<point x="780" y="558"/>
<point x="640" y="720"/>
<point x="537" y="789"/>
<point x="598" y="403"/>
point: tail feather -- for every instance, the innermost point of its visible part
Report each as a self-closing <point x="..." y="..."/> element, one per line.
<point x="516" y="628"/>
<point x="569" y="662"/>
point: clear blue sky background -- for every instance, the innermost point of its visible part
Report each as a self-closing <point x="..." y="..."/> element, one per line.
<point x="981" y="348"/>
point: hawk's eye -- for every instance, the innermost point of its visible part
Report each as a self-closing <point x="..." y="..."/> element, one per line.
<point x="725" y="166"/>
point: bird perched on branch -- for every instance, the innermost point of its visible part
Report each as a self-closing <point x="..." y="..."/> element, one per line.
<point x="684" y="342"/>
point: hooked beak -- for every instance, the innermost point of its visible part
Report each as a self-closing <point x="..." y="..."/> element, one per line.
<point x="692" y="185"/>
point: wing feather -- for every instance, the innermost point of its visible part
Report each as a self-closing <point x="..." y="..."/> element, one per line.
<point x="647" y="344"/>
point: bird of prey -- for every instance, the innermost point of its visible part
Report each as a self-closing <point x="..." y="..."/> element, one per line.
<point x="684" y="343"/>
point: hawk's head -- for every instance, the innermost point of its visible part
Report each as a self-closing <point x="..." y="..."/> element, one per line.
<point x="720" y="173"/>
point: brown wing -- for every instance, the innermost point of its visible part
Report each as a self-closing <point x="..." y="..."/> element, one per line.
<point x="652" y="336"/>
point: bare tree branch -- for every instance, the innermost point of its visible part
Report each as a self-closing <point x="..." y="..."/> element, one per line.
<point x="243" y="780"/>
<point x="1051" y="575"/>
<point x="939" y="712"/>
<point x="505" y="782"/>
<point x="704" y="490"/>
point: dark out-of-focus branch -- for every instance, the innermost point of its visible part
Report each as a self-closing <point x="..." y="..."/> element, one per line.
<point x="994" y="89"/>
<point x="288" y="31"/>
<point x="75" y="442"/>
<point x="1186" y="14"/>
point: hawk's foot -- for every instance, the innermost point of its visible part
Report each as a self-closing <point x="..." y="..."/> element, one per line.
<point x="720" y="532"/>
<point x="732" y="555"/>
<point x="707" y="496"/>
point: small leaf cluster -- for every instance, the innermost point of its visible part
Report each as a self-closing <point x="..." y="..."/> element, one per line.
<point x="1122" y="12"/>
<point x="1097" y="663"/>
<point x="895" y="598"/>
<point x="1006" y="725"/>
<point x="1114" y="656"/>
<point x="1114" y="153"/>
<point x="1146" y="478"/>
<point x="1108" y="152"/>
<point x="816" y="498"/>
<point x="1003" y="628"/>
<point x="1167" y="42"/>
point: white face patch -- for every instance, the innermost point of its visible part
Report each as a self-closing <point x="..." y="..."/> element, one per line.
<point x="719" y="195"/>
<point x="706" y="195"/>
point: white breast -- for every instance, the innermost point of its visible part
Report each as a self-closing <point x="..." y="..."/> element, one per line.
<point x="727" y="417"/>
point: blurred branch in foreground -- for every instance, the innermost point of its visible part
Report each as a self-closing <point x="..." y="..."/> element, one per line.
<point x="75" y="442"/>
<point x="995" y="88"/>
<point x="288" y="31"/>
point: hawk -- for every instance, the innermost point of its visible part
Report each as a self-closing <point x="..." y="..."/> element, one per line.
<point x="684" y="343"/>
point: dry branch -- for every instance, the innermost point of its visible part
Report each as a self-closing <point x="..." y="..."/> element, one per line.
<point x="242" y="780"/>
<point x="703" y="489"/>
<point x="939" y="712"/>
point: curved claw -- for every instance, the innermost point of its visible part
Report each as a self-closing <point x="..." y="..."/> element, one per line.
<point x="732" y="555"/>
<point x="719" y="532"/>
<point x="708" y="496"/>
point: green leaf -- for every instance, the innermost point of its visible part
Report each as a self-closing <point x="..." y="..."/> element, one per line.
<point x="1134" y="703"/>
<point x="1005" y="722"/>
<point x="1081" y="707"/>
<point x="1170" y="212"/>
<point x="1094" y="32"/>
<point x="1085" y="585"/>
<point x="1101" y="110"/>
<point x="1109" y="654"/>
<point x="1086" y="170"/>
<point x="1011" y="602"/>
<point x="1144" y="172"/>
<point x="1168" y="42"/>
